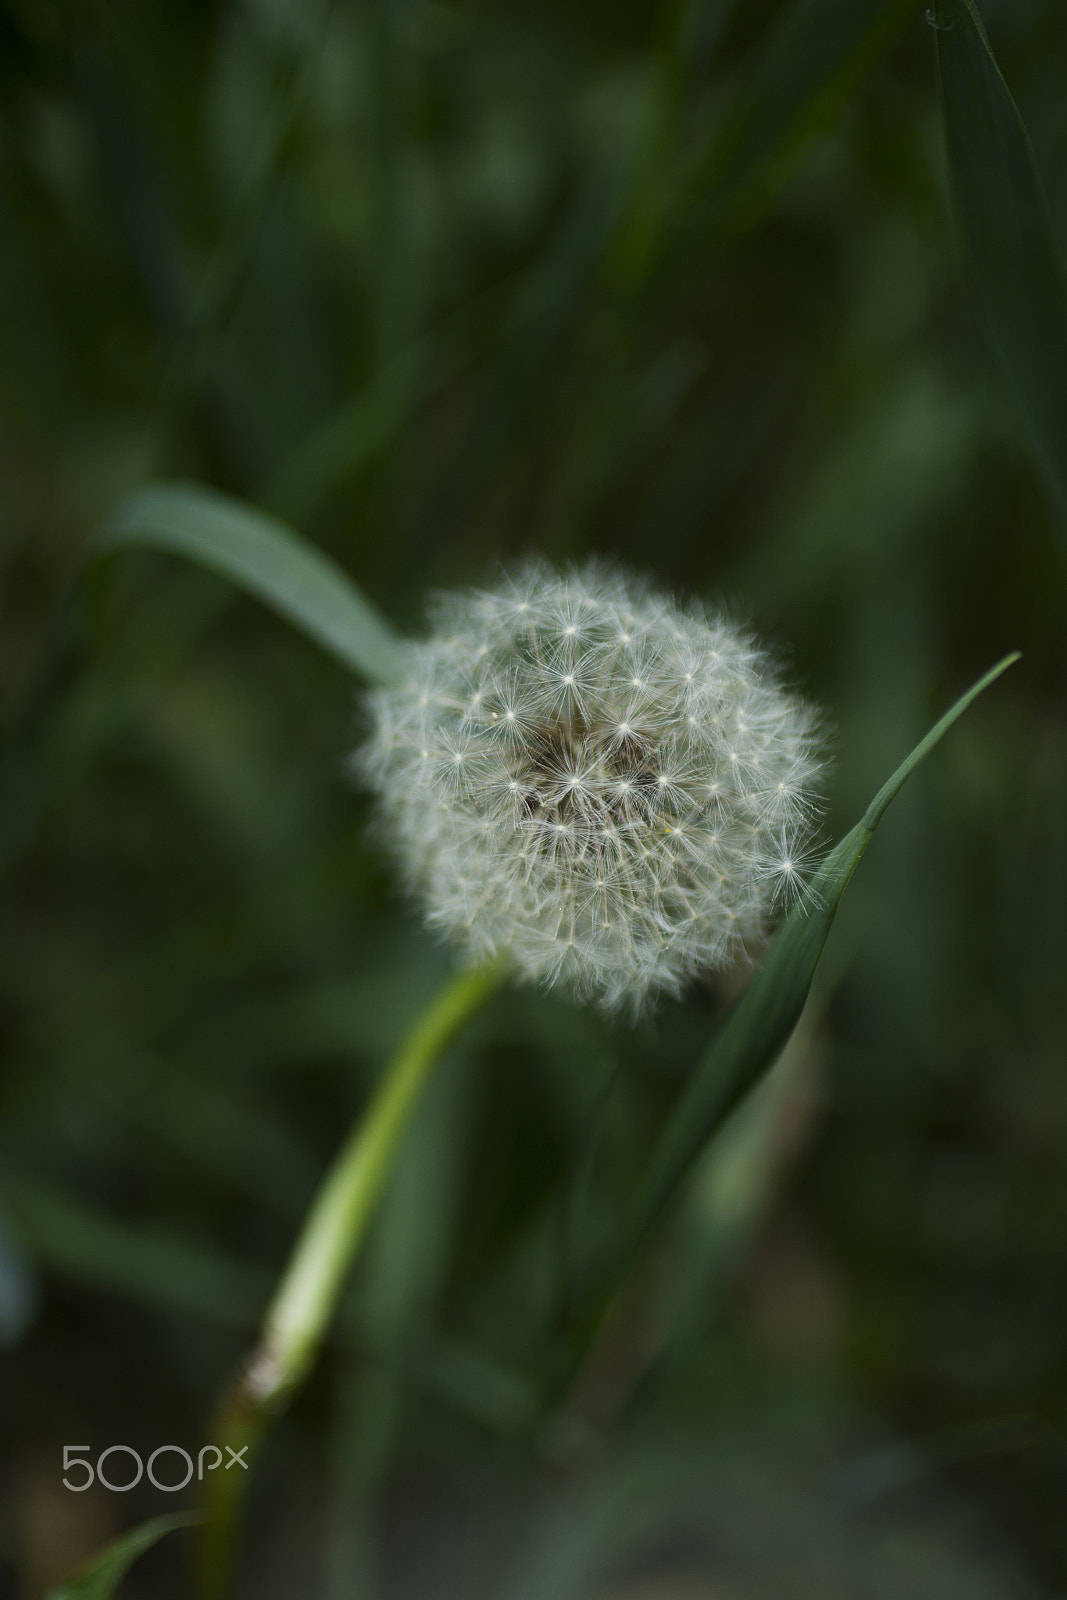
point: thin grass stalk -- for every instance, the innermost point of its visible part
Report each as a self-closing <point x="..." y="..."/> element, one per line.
<point x="750" y="1042"/>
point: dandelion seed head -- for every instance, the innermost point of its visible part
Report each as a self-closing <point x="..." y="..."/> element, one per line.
<point x="610" y="787"/>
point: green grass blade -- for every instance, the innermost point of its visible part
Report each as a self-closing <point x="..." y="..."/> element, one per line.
<point x="818" y="52"/>
<point x="1018" y="267"/>
<point x="105" y="1572"/>
<point x="140" y="1260"/>
<point x="762" y="1022"/>
<point x="264" y="558"/>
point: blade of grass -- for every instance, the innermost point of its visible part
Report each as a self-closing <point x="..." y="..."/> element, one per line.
<point x="195" y="352"/>
<point x="105" y="1572"/>
<point x="763" y="1020"/>
<point x="264" y="558"/>
<point x="340" y="447"/>
<point x="544" y="310"/>
<point x="1015" y="257"/>
<point x="820" y="50"/>
<point x="139" y="1260"/>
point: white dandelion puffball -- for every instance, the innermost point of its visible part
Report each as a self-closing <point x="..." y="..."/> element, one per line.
<point x="608" y="787"/>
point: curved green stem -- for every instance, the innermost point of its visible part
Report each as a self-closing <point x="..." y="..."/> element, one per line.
<point x="303" y="1305"/>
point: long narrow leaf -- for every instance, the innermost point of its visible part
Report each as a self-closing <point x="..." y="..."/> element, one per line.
<point x="761" y="1023"/>
<point x="139" y="1260"/>
<point x="264" y="558"/>
<point x="818" y="51"/>
<point x="100" y="1579"/>
<point x="1017" y="263"/>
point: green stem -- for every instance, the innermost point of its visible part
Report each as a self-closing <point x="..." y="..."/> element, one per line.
<point x="303" y="1305"/>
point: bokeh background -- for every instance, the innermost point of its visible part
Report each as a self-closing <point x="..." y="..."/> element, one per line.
<point x="440" y="282"/>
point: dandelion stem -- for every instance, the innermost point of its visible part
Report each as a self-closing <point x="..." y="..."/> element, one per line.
<point x="304" y="1303"/>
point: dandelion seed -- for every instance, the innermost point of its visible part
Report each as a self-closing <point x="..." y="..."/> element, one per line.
<point x="597" y="817"/>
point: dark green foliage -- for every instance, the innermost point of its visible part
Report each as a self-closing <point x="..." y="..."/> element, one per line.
<point x="437" y="284"/>
<point x="1010" y="235"/>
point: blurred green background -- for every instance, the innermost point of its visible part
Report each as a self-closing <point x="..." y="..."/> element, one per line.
<point x="442" y="283"/>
